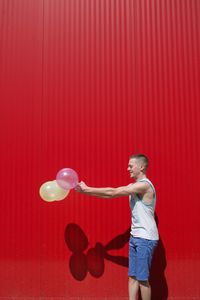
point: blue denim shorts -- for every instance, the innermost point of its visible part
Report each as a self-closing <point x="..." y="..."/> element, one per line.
<point x="140" y="257"/>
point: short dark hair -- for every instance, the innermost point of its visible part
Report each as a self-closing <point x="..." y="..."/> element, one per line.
<point x="143" y="158"/>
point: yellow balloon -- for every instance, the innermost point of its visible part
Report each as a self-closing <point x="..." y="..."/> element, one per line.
<point x="50" y="191"/>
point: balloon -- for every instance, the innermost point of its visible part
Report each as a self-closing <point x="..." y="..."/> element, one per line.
<point x="67" y="178"/>
<point x="50" y="191"/>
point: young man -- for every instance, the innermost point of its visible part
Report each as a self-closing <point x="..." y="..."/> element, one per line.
<point x="144" y="232"/>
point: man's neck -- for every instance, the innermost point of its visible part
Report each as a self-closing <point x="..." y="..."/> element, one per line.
<point x="141" y="176"/>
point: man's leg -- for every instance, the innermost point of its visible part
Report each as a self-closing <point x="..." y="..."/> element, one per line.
<point x="145" y="253"/>
<point x="133" y="288"/>
<point x="133" y="284"/>
<point x="145" y="290"/>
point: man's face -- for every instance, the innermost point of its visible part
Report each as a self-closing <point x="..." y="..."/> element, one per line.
<point x="134" y="167"/>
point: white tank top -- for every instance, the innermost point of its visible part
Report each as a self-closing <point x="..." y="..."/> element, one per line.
<point x="142" y="216"/>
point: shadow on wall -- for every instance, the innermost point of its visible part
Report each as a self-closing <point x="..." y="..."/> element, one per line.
<point x="157" y="277"/>
<point x="92" y="260"/>
<point x="159" y="288"/>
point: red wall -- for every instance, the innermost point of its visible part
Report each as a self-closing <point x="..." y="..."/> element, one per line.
<point x="84" y="84"/>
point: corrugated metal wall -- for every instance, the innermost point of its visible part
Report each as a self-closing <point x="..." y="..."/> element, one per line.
<point x="84" y="84"/>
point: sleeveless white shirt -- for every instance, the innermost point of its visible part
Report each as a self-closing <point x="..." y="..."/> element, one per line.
<point x="142" y="216"/>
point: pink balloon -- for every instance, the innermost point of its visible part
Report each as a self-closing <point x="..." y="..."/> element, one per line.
<point x="67" y="178"/>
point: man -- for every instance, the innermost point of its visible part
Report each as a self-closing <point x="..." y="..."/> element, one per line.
<point x="144" y="232"/>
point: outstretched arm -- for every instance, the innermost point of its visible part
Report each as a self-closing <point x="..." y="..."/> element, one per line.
<point x="109" y="192"/>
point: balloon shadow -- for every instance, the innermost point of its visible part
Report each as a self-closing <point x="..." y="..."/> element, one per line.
<point x="92" y="260"/>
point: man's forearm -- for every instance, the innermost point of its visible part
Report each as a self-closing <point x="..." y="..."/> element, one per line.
<point x="100" y="192"/>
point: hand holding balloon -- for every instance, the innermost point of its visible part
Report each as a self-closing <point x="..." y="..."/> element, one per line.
<point x="81" y="187"/>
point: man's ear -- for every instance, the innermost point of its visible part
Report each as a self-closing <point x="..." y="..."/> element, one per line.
<point x="142" y="167"/>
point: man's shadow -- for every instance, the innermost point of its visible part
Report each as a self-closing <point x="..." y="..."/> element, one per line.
<point x="159" y="288"/>
<point x="84" y="260"/>
<point x="158" y="282"/>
